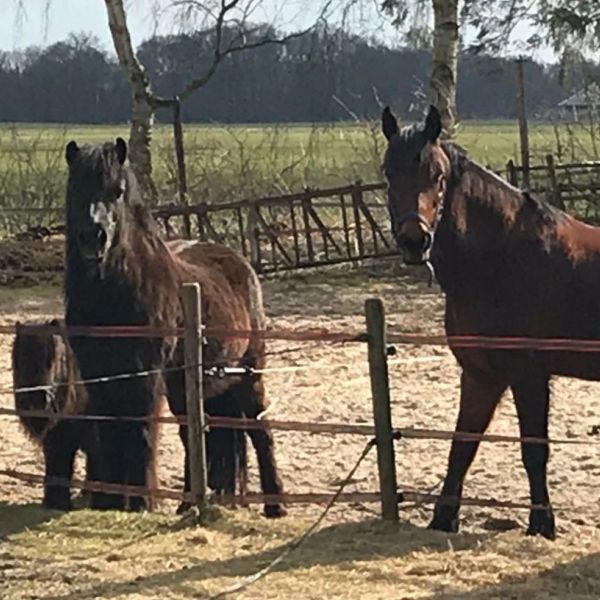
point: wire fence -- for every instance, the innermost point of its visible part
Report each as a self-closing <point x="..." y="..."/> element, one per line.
<point x="500" y="343"/>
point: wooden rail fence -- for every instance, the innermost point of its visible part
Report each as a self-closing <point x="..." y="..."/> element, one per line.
<point x="351" y="223"/>
<point x="307" y="229"/>
<point x="574" y="187"/>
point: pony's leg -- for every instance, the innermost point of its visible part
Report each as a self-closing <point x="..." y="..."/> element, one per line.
<point x="532" y="396"/>
<point x="93" y="460"/>
<point x="252" y="402"/>
<point x="60" y="446"/>
<point x="139" y="454"/>
<point x="478" y="401"/>
<point x="114" y="464"/>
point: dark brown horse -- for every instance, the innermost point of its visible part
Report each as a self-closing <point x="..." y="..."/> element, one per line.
<point x="46" y="361"/>
<point x="509" y="265"/>
<point x="120" y="272"/>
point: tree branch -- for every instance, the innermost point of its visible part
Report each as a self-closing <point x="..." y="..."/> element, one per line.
<point x="220" y="53"/>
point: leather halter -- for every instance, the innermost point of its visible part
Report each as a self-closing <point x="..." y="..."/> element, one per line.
<point x="430" y="228"/>
<point x="414" y="215"/>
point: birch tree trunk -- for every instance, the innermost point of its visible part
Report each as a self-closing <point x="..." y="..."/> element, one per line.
<point x="445" y="62"/>
<point x="142" y="117"/>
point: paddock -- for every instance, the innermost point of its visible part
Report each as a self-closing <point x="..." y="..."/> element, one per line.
<point x="330" y="383"/>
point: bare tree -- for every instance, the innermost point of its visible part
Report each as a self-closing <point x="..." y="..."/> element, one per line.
<point x="229" y="22"/>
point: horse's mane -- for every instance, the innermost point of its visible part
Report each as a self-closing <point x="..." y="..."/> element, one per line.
<point x="470" y="181"/>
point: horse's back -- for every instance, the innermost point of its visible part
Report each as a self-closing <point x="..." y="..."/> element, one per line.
<point x="224" y="262"/>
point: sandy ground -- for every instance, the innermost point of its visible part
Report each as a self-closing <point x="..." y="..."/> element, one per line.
<point x="335" y="387"/>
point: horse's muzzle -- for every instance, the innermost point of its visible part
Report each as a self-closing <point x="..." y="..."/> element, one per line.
<point x="415" y="251"/>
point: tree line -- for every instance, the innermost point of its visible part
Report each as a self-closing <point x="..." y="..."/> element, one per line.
<point x="318" y="77"/>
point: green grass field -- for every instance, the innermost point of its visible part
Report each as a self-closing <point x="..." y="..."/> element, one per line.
<point x="242" y="161"/>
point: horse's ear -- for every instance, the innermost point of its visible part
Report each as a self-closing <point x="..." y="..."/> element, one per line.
<point x="433" y="124"/>
<point x="389" y="125"/>
<point x="71" y="152"/>
<point x="121" y="148"/>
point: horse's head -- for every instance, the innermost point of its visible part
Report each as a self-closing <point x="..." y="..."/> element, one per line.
<point x="96" y="196"/>
<point x="417" y="170"/>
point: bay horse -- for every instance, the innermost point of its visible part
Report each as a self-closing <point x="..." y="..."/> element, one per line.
<point x="509" y="265"/>
<point x="46" y="360"/>
<point x="119" y="271"/>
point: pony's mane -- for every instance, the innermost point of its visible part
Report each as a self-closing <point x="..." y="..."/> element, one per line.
<point x="139" y="258"/>
<point x="472" y="182"/>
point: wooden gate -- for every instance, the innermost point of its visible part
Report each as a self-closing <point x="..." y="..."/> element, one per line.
<point x="308" y="229"/>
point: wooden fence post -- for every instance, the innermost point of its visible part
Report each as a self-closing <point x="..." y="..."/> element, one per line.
<point x="381" y="408"/>
<point x="523" y="132"/>
<point x="180" y="160"/>
<point x="253" y="236"/>
<point x="192" y="311"/>
<point x="555" y="195"/>
<point x="511" y="173"/>
<point x="356" y="201"/>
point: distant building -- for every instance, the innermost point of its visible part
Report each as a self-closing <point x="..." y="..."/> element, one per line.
<point x="581" y="103"/>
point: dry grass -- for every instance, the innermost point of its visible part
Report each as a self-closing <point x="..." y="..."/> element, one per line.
<point x="113" y="555"/>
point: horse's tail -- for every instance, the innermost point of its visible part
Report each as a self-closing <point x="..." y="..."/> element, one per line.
<point x="152" y="481"/>
<point x="227" y="458"/>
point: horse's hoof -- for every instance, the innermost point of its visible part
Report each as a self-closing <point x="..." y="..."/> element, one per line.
<point x="138" y="504"/>
<point x="82" y="500"/>
<point x="275" y="511"/>
<point x="183" y="508"/>
<point x="57" y="501"/>
<point x="541" y="522"/>
<point x="445" y="519"/>
<point x="102" y="501"/>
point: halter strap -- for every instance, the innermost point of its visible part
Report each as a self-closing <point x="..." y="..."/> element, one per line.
<point x="414" y="215"/>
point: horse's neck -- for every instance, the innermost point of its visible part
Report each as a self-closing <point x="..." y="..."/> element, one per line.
<point x="478" y="191"/>
<point x="480" y="208"/>
<point x="150" y="270"/>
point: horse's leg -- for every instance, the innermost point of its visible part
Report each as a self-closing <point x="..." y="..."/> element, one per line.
<point x="138" y="460"/>
<point x="253" y="403"/>
<point x="141" y="396"/>
<point x="478" y="401"/>
<point x="532" y="396"/>
<point x="90" y="445"/>
<point x="114" y="464"/>
<point x="60" y="446"/>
